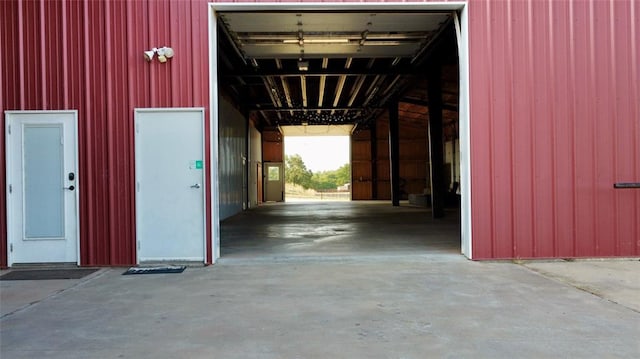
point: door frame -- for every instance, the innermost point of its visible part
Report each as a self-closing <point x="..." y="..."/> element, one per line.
<point x="205" y="185"/>
<point x="9" y="142"/>
<point x="459" y="8"/>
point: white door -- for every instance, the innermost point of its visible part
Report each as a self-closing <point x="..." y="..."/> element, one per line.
<point x="274" y="182"/>
<point x="170" y="188"/>
<point x="42" y="186"/>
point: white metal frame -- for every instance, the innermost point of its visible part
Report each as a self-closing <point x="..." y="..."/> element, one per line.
<point x="462" y="31"/>
<point x="200" y="110"/>
<point x="9" y="172"/>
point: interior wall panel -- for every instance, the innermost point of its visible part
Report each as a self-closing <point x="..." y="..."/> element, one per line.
<point x="87" y="55"/>
<point x="232" y="143"/>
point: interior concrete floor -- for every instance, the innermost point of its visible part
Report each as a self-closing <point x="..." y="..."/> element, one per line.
<point x="327" y="229"/>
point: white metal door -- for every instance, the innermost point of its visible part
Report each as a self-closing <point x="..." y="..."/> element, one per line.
<point x="170" y="184"/>
<point x="274" y="182"/>
<point x="42" y="186"/>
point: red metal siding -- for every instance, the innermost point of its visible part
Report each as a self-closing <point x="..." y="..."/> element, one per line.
<point x="554" y="123"/>
<point x="87" y="55"/>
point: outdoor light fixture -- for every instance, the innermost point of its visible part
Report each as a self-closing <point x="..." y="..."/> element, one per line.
<point x="163" y="53"/>
<point x="148" y="55"/>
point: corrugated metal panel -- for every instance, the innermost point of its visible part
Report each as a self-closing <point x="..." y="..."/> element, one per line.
<point x="7" y="27"/>
<point x="554" y="122"/>
<point x="87" y="55"/>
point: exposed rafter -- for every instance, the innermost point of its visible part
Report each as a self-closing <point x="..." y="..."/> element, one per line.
<point x="312" y="66"/>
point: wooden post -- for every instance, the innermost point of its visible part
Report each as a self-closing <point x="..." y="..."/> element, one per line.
<point x="373" y="133"/>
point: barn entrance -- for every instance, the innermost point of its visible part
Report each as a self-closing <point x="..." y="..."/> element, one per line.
<point x="396" y="73"/>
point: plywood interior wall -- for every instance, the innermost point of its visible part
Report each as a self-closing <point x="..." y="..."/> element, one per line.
<point x="272" y="146"/>
<point x="371" y="176"/>
<point x="362" y="179"/>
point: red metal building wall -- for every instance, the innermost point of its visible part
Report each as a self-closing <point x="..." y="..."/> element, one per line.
<point x="555" y="121"/>
<point x="555" y="108"/>
<point x="87" y="55"/>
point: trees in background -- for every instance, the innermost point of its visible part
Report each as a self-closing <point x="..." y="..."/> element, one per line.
<point x="331" y="179"/>
<point x="296" y="172"/>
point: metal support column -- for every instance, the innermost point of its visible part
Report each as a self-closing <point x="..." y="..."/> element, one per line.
<point x="246" y="201"/>
<point x="374" y="161"/>
<point x="394" y="153"/>
<point x="436" y="147"/>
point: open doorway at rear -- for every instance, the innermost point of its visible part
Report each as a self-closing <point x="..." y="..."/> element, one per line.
<point x="317" y="163"/>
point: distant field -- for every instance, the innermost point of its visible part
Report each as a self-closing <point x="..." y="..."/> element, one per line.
<point x="294" y="192"/>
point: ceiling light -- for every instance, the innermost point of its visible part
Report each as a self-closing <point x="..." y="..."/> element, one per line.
<point x="316" y="41"/>
<point x="327" y="41"/>
<point x="303" y="65"/>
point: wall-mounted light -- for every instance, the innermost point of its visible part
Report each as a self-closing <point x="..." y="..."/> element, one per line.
<point x="148" y="55"/>
<point x="163" y="53"/>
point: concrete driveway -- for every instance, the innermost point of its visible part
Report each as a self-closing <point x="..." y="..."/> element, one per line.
<point x="418" y="306"/>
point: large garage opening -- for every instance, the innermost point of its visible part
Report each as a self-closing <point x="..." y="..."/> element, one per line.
<point x="395" y="75"/>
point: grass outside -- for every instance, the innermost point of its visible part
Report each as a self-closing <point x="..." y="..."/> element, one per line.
<point x="293" y="192"/>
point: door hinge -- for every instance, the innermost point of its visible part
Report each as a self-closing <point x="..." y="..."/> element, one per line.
<point x="137" y="186"/>
<point x="10" y="188"/>
<point x="11" y="247"/>
<point x="137" y="128"/>
<point x="9" y="129"/>
<point x="138" y="244"/>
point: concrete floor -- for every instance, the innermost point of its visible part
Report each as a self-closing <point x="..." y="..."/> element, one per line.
<point x="286" y="298"/>
<point x="326" y="229"/>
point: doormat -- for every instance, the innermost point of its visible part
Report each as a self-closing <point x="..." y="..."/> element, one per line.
<point x="41" y="274"/>
<point x="155" y="270"/>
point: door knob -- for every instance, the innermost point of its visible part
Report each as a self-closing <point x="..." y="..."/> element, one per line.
<point x="197" y="185"/>
<point x="70" y="188"/>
